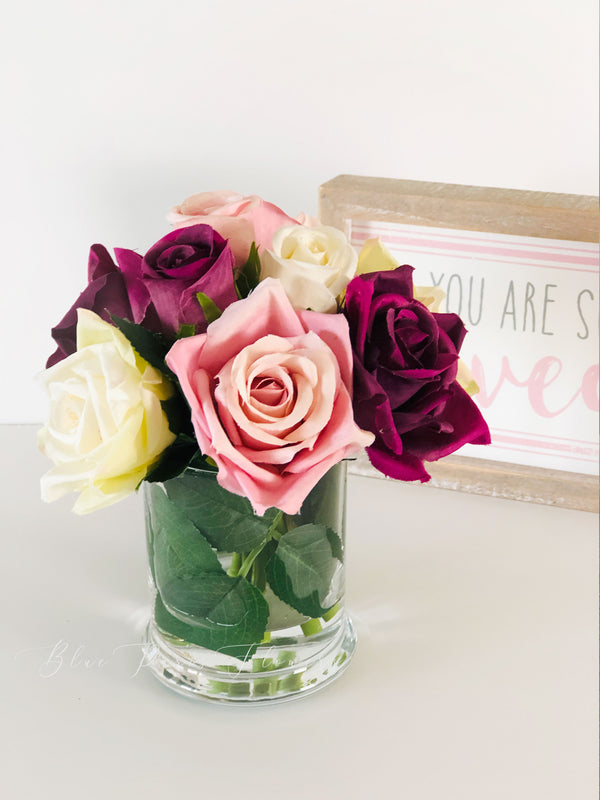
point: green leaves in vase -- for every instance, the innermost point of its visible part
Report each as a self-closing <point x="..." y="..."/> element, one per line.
<point x="301" y="569"/>
<point x="226" y="520"/>
<point x="231" y="625"/>
<point x="197" y="600"/>
<point x="191" y="519"/>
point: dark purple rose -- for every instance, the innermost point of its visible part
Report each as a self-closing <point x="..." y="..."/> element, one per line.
<point x="106" y="292"/>
<point x="181" y="264"/>
<point x="405" y="365"/>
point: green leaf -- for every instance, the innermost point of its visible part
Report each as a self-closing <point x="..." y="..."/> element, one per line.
<point x="225" y="519"/>
<point x="197" y="600"/>
<point x="173" y="461"/>
<point x="173" y="530"/>
<point x="177" y="411"/>
<point x="185" y="331"/>
<point x="248" y="277"/>
<point x="335" y="544"/>
<point x="234" y="624"/>
<point x="203" y="463"/>
<point x="323" y="501"/>
<point x="301" y="569"/>
<point x="153" y="347"/>
<point x="210" y="309"/>
<point x="199" y="595"/>
<point x="149" y="540"/>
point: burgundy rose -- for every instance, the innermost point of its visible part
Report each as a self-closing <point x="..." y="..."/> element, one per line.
<point x="106" y="292"/>
<point x="181" y="264"/>
<point x="405" y="365"/>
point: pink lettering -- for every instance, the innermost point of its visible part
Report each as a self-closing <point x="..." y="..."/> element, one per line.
<point x="589" y="387"/>
<point x="544" y="373"/>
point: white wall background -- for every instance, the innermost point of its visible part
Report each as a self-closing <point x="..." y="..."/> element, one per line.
<point x="115" y="111"/>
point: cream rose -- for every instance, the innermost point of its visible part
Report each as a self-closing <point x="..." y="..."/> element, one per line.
<point x="314" y="264"/>
<point x="106" y="425"/>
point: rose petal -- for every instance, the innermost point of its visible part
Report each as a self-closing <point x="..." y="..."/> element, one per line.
<point x="262" y="338"/>
<point x="105" y="293"/>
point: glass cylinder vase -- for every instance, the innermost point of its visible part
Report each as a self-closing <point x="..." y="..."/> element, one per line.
<point x="247" y="608"/>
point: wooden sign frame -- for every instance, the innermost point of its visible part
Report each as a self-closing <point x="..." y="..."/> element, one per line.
<point x="475" y="208"/>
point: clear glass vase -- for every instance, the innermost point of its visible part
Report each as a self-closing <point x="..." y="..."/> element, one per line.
<point x="247" y="608"/>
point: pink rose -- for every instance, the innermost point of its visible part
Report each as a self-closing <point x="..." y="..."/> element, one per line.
<point x="241" y="220"/>
<point x="270" y="393"/>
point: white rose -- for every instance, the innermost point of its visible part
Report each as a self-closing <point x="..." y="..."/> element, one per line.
<point x="314" y="264"/>
<point x="106" y="426"/>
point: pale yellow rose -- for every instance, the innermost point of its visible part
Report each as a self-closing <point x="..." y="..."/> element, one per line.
<point x="314" y="265"/>
<point x="431" y="296"/>
<point x="375" y="257"/>
<point x="106" y="425"/>
<point x="465" y="378"/>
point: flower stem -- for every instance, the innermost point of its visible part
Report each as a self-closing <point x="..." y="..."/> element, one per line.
<point x="274" y="532"/>
<point x="259" y="574"/>
<point x="249" y="561"/>
<point x="311" y="626"/>
<point x="241" y="565"/>
<point x="331" y="613"/>
<point x="236" y="562"/>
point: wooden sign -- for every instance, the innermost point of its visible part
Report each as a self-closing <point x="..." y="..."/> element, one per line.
<point x="521" y="269"/>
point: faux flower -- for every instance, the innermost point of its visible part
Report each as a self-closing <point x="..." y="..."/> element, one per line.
<point x="270" y="395"/>
<point x="375" y="257"/>
<point x="106" y="426"/>
<point x="314" y="264"/>
<point x="106" y="291"/>
<point x="240" y="220"/>
<point x="163" y="284"/>
<point x="405" y="369"/>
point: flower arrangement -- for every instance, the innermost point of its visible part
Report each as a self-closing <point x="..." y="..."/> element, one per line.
<point x="255" y="343"/>
<point x="262" y="351"/>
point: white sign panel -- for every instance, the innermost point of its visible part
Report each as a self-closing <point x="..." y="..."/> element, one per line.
<point x="531" y="308"/>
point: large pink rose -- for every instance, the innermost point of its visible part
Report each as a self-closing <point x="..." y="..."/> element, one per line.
<point x="270" y="393"/>
<point x="241" y="220"/>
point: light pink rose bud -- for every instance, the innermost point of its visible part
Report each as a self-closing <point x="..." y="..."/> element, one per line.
<point x="241" y="220"/>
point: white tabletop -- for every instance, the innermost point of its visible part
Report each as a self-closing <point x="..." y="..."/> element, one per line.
<point x="475" y="676"/>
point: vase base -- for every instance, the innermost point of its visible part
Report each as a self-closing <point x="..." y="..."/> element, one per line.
<point x="282" y="669"/>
